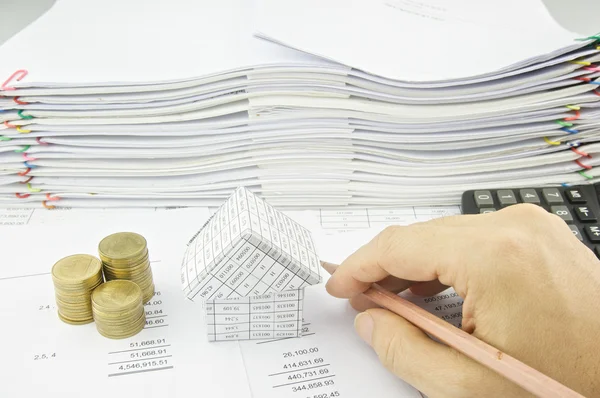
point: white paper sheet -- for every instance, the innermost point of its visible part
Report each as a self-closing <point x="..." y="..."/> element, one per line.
<point x="408" y="40"/>
<point x="110" y="41"/>
<point x="171" y="356"/>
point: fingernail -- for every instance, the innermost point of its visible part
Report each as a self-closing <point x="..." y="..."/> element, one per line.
<point x="329" y="267"/>
<point x="363" y="323"/>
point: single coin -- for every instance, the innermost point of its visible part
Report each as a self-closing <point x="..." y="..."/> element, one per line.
<point x="117" y="295"/>
<point x="76" y="269"/>
<point x="122" y="246"/>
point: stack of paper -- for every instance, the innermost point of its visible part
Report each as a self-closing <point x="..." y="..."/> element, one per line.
<point x="329" y="102"/>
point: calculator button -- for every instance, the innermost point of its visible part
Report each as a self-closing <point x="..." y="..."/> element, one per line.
<point x="529" y="196"/>
<point x="506" y="197"/>
<point x="552" y="195"/>
<point x="593" y="232"/>
<point x="584" y="214"/>
<point x="483" y="198"/>
<point x="575" y="196"/>
<point x="576" y="231"/>
<point x="487" y="210"/>
<point x="562" y="211"/>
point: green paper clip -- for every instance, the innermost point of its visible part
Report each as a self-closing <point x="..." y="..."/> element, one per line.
<point x="25" y="148"/>
<point x="25" y="117"/>
<point x="582" y="173"/>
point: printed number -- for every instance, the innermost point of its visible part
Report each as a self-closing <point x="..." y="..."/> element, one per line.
<point x="147" y="343"/>
<point x="301" y="352"/>
<point x="39" y="357"/>
<point x="561" y="212"/>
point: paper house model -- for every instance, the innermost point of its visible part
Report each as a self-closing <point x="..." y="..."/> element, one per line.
<point x="249" y="265"/>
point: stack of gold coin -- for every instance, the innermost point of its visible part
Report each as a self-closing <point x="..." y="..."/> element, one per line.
<point x="124" y="255"/>
<point x="75" y="277"/>
<point x="118" y="309"/>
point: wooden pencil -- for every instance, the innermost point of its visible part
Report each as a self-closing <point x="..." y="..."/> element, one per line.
<point x="523" y="375"/>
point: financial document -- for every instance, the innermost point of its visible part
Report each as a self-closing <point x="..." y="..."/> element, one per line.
<point x="172" y="355"/>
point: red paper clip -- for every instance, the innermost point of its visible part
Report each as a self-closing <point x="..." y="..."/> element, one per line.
<point x="52" y="198"/>
<point x="27" y="180"/>
<point x="577" y="116"/>
<point x="18" y="75"/>
<point x="24" y="173"/>
<point x="22" y="196"/>
<point x="10" y="126"/>
<point x="16" y="99"/>
<point x="585" y="166"/>
<point x="581" y="153"/>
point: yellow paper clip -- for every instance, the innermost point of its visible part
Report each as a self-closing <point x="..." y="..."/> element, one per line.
<point x="584" y="63"/>
<point x="551" y="142"/>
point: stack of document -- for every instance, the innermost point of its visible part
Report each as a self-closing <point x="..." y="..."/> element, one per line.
<point x="307" y="103"/>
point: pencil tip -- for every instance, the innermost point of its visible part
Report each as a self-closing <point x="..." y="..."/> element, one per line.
<point x="329" y="267"/>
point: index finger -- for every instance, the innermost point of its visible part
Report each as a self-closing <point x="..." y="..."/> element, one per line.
<point x="419" y="252"/>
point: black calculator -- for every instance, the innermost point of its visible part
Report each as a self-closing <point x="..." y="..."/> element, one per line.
<point x="578" y="206"/>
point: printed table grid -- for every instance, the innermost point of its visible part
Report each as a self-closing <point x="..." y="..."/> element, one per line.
<point x="242" y="203"/>
<point x="349" y="219"/>
<point x="228" y="321"/>
<point x="213" y="273"/>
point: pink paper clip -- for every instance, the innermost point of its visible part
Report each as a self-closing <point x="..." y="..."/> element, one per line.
<point x="39" y="141"/>
<point x="27" y="157"/>
<point x="18" y="75"/>
<point x="10" y="126"/>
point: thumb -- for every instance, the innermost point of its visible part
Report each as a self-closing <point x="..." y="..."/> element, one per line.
<point x="430" y="367"/>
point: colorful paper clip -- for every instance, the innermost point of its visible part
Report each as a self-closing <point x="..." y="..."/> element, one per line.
<point x="551" y="142"/>
<point x="49" y="199"/>
<point x="27" y="157"/>
<point x="583" y="166"/>
<point x="25" y="148"/>
<point x="24" y="173"/>
<point x="16" y="99"/>
<point x="582" y="173"/>
<point x="18" y="76"/>
<point x="24" y="117"/>
<point x="32" y="189"/>
<point x="581" y="153"/>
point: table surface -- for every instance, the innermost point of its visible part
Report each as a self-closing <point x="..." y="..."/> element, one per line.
<point x="575" y="15"/>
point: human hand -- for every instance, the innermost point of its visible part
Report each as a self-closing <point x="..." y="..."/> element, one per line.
<point x="530" y="288"/>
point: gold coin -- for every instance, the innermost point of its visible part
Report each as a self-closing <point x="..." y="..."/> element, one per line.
<point x="122" y="328"/>
<point x="74" y="322"/>
<point x="104" y="317"/>
<point x="126" y="263"/>
<point x="76" y="269"/>
<point x="122" y="246"/>
<point x="117" y="295"/>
